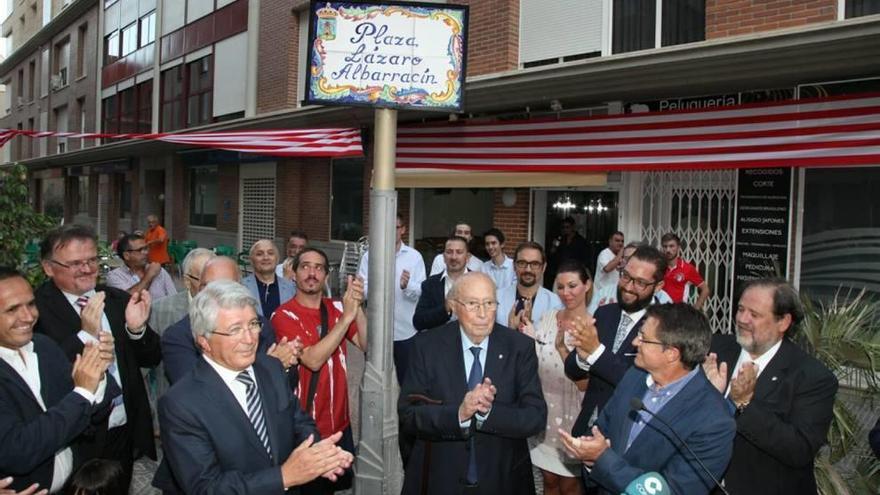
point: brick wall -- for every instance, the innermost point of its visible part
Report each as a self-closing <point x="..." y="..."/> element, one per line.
<point x="303" y="198"/>
<point x="278" y="55"/>
<point x="227" y="190"/>
<point x="493" y="35"/>
<point x="513" y="220"/>
<point x="735" y="17"/>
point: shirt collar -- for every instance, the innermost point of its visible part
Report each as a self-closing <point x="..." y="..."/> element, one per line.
<point x="636" y="315"/>
<point x="763" y="360"/>
<point x="670" y="388"/>
<point x="226" y="374"/>
<point x="443" y="273"/>
<point x="72" y="298"/>
<point x="8" y="354"/>
<point x="466" y="342"/>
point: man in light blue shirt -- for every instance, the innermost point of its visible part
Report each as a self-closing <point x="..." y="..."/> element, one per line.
<point x="526" y="299"/>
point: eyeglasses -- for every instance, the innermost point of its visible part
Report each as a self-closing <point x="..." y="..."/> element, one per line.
<point x="144" y="250"/>
<point x="193" y="277"/>
<point x="532" y="265"/>
<point x="474" y="306"/>
<point x="253" y="326"/>
<point x="642" y="340"/>
<point x="78" y="265"/>
<point x="639" y="284"/>
<point x="318" y="267"/>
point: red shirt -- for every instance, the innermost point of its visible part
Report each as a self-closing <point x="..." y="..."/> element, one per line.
<point x="330" y="410"/>
<point x="678" y="276"/>
<point x="159" y="251"/>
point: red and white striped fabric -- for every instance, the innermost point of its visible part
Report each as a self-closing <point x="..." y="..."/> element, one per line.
<point x="290" y="143"/>
<point x="818" y="132"/>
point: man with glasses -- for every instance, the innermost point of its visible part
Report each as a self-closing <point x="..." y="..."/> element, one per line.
<point x="668" y="382"/>
<point x="138" y="273"/>
<point x="608" y="294"/>
<point x="473" y="439"/>
<point x="74" y="310"/>
<point x="233" y="425"/>
<point x="323" y="326"/>
<point x="603" y="345"/>
<point x="527" y="300"/>
<point x="409" y="273"/>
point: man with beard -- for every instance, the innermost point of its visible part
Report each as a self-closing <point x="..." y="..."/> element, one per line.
<point x="603" y="345"/>
<point x="527" y="300"/>
<point x="474" y="264"/>
<point x="680" y="274"/>
<point x="432" y="309"/>
<point x="323" y="326"/>
<point x="784" y="397"/>
<point x="608" y="294"/>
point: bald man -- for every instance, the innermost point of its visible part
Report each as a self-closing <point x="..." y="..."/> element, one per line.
<point x="264" y="284"/>
<point x="179" y="351"/>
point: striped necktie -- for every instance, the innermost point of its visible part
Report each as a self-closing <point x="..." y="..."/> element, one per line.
<point x="81" y="303"/>
<point x="255" y="409"/>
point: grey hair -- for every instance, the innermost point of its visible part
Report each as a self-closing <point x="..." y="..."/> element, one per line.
<point x="263" y="241"/>
<point x="191" y="258"/>
<point x="220" y="294"/>
<point x="468" y="278"/>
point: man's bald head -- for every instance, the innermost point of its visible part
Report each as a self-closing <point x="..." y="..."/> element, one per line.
<point x="219" y="268"/>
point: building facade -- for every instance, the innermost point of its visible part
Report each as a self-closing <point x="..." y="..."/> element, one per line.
<point x="167" y="65"/>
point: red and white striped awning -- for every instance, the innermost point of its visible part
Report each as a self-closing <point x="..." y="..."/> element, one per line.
<point x="839" y="131"/>
<point x="334" y="143"/>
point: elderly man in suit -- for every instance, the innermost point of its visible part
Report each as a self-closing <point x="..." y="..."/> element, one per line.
<point x="179" y="349"/>
<point x="432" y="309"/>
<point x="605" y="351"/>
<point x="784" y="397"/>
<point x="42" y="410"/>
<point x="472" y="398"/>
<point x="233" y="425"/>
<point x="267" y="287"/>
<point x="169" y="310"/>
<point x="526" y="301"/>
<point x="667" y="385"/>
<point x="74" y="311"/>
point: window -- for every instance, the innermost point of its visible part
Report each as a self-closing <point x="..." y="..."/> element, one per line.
<point x="147" y="29"/>
<point x="129" y="39"/>
<point x="20" y="89"/>
<point x="187" y="95"/>
<point x="201" y="93"/>
<point x="172" y="98"/>
<point x="60" y="115"/>
<point x="60" y="62"/>
<point x="347" y="200"/>
<point x="634" y="23"/>
<point x="129" y="110"/>
<point x="82" y="194"/>
<point x="81" y="106"/>
<point x="110" y="115"/>
<point x="81" y="40"/>
<point x="145" y="106"/>
<point x="859" y="8"/>
<point x="203" y="196"/>
<point x="32" y="79"/>
<point x="111" y="48"/>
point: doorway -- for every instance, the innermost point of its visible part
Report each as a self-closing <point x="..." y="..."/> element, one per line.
<point x="595" y="215"/>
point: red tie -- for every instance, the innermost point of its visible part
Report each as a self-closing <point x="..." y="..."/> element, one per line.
<point x="81" y="302"/>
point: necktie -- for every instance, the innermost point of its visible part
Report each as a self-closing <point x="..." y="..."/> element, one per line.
<point x="474" y="379"/>
<point x="255" y="409"/>
<point x="81" y="303"/>
<point x="625" y="321"/>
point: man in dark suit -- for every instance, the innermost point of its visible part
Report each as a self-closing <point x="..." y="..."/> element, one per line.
<point x="73" y="311"/>
<point x="43" y="411"/>
<point x="605" y="350"/>
<point x="179" y="350"/>
<point x="471" y="425"/>
<point x="432" y="310"/>
<point x="784" y="397"/>
<point x="233" y="425"/>
<point x="669" y="382"/>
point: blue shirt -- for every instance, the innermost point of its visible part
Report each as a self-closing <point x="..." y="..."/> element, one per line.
<point x="655" y="398"/>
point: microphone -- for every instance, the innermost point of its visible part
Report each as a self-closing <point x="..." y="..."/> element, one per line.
<point x="637" y="405"/>
<point x="650" y="483"/>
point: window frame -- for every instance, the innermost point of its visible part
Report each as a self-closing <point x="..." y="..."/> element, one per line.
<point x="202" y="220"/>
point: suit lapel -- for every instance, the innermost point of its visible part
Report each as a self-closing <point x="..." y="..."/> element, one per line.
<point x="9" y="375"/>
<point x="61" y="308"/>
<point x="776" y="368"/>
<point x="268" y="396"/>
<point x="496" y="352"/>
<point x="685" y="400"/>
<point x="626" y="424"/>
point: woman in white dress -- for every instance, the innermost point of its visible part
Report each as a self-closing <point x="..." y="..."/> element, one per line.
<point x="561" y="473"/>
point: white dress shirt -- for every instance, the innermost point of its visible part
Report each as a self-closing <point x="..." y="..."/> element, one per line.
<point x="405" y="300"/>
<point x="474" y="264"/>
<point x="761" y="362"/>
<point x="238" y="389"/>
<point x="592" y="358"/>
<point x="26" y="363"/>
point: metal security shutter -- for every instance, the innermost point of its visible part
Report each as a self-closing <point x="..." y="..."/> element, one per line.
<point x="559" y="28"/>
<point x="257" y="195"/>
<point x="699" y="206"/>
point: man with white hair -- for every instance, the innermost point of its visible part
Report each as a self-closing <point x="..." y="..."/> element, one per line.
<point x="265" y="285"/>
<point x="233" y="424"/>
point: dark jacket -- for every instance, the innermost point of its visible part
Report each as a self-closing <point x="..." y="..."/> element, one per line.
<point x="431" y="309"/>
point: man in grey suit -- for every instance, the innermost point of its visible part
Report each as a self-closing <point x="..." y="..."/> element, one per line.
<point x="171" y="309"/>
<point x="269" y="289"/>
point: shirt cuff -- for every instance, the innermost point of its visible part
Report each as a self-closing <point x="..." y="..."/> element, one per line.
<point x="585" y="364"/>
<point x="482" y="418"/>
<point x="85" y="394"/>
<point x="135" y="336"/>
<point x="86" y="337"/>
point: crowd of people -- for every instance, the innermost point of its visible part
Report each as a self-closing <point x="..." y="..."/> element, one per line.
<point x="609" y="377"/>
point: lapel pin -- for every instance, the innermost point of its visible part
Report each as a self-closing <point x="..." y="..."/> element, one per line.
<point x="501" y="356"/>
<point x="773" y="379"/>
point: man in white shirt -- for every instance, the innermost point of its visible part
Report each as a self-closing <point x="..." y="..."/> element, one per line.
<point x="499" y="266"/>
<point x="42" y="411"/>
<point x="609" y="262"/>
<point x="474" y="264"/>
<point x="409" y="273"/>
